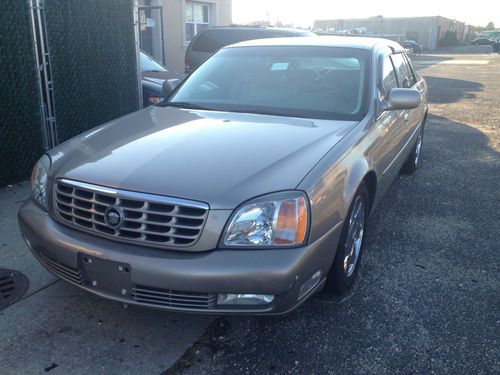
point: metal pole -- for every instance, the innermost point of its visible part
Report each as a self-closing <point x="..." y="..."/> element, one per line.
<point x="47" y="73"/>
<point x="44" y="72"/>
<point x="137" y="50"/>
<point x="43" y="113"/>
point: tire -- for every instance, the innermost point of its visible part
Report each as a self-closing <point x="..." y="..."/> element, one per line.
<point x="344" y="270"/>
<point x="414" y="159"/>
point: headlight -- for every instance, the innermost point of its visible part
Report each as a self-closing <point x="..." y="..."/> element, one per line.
<point x="275" y="220"/>
<point x="39" y="182"/>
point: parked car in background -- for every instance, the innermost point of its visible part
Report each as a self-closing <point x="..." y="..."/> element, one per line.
<point x="482" y="42"/>
<point x="154" y="76"/>
<point x="412" y="45"/>
<point x="246" y="191"/>
<point x="496" y="45"/>
<point x="211" y="40"/>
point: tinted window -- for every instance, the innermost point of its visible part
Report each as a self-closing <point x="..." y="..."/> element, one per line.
<point x="388" y="76"/>
<point x="213" y="40"/>
<point x="403" y="72"/>
<point x="312" y="82"/>
<point x="413" y="74"/>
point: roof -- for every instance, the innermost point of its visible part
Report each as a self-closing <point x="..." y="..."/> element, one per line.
<point x="290" y="30"/>
<point x="321" y="41"/>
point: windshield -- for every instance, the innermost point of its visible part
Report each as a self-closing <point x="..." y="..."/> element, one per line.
<point x="149" y="65"/>
<point x="297" y="81"/>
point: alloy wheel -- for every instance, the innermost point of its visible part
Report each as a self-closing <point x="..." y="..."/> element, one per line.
<point x="355" y="234"/>
<point x="418" y="149"/>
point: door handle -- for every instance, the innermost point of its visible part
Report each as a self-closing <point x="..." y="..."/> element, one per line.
<point x="405" y="117"/>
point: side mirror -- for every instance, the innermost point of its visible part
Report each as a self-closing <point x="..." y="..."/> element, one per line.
<point x="169" y="85"/>
<point x="402" y="99"/>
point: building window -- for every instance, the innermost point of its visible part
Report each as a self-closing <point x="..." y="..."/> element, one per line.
<point x="197" y="18"/>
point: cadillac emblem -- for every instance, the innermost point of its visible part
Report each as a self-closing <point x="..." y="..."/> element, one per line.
<point x="113" y="217"/>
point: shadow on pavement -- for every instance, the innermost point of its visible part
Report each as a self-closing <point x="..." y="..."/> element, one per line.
<point x="450" y="90"/>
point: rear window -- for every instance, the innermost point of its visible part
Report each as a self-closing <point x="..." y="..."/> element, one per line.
<point x="403" y="71"/>
<point x="214" y="39"/>
<point x="389" y="80"/>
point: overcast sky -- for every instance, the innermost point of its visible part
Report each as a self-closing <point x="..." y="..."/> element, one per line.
<point x="304" y="12"/>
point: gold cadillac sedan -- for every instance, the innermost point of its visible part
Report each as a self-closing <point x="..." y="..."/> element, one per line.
<point x="246" y="191"/>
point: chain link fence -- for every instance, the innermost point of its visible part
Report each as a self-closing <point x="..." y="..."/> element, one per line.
<point x="20" y="122"/>
<point x="94" y="72"/>
<point x="93" y="57"/>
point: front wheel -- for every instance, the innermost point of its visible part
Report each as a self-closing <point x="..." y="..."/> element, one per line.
<point x="345" y="266"/>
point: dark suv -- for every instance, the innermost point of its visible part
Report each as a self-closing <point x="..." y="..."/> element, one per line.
<point x="208" y="41"/>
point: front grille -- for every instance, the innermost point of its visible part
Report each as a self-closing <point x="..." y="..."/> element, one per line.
<point x="61" y="270"/>
<point x="170" y="298"/>
<point x="145" y="218"/>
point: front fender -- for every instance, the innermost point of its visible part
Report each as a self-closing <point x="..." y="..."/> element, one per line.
<point x="331" y="187"/>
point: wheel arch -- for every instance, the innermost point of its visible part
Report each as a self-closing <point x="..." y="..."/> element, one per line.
<point x="369" y="178"/>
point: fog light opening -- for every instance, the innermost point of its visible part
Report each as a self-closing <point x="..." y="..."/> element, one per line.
<point x="244" y="299"/>
<point x="309" y="285"/>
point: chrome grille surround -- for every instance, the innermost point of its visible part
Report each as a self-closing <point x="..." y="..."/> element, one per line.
<point x="152" y="220"/>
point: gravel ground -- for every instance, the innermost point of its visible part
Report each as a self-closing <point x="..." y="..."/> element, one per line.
<point x="427" y="300"/>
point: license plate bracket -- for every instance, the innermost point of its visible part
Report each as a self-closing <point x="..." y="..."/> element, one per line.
<point x="106" y="275"/>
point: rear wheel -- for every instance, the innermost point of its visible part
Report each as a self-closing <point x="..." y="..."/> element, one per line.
<point x="413" y="162"/>
<point x="346" y="264"/>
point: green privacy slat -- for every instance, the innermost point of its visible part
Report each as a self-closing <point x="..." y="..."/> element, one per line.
<point x="92" y="50"/>
<point x="20" y="124"/>
<point x="93" y="61"/>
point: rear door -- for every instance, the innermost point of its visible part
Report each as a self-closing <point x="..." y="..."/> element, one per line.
<point x="390" y="131"/>
<point x="419" y="85"/>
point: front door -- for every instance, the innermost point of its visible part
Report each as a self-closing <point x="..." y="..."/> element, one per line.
<point x="390" y="131"/>
<point x="151" y="31"/>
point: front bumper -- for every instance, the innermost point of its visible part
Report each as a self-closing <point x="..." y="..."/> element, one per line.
<point x="176" y="280"/>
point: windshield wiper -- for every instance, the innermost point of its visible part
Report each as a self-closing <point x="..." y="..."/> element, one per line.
<point x="186" y="105"/>
<point x="264" y="112"/>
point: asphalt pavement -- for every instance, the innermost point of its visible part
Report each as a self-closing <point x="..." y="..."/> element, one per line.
<point x="427" y="299"/>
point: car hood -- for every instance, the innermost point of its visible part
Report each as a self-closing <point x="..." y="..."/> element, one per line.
<point x="159" y="77"/>
<point x="219" y="158"/>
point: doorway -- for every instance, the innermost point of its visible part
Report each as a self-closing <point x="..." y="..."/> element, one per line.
<point x="151" y="32"/>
